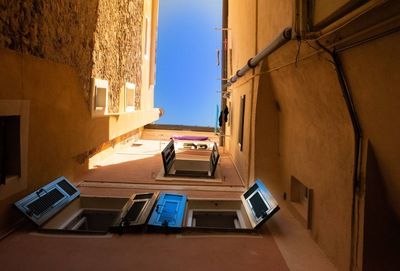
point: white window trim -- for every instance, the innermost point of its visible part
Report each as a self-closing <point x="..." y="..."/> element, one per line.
<point x="130" y="87"/>
<point x="99" y="111"/>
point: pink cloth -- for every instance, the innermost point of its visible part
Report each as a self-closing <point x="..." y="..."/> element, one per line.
<point x="188" y="137"/>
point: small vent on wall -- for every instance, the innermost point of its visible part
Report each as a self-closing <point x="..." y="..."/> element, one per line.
<point x="301" y="200"/>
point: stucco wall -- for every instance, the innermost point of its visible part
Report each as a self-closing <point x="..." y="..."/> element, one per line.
<point x="300" y="124"/>
<point x="315" y="145"/>
<point x="49" y="52"/>
<point x="61" y="131"/>
<point x="302" y="128"/>
<point x="372" y="72"/>
<point x="324" y="8"/>
<point x="241" y="51"/>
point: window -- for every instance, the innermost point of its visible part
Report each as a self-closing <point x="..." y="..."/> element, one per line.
<point x="301" y="199"/>
<point x="10" y="150"/>
<point x="14" y="127"/>
<point x="99" y="98"/>
<point x="129" y="97"/>
<point x="241" y="121"/>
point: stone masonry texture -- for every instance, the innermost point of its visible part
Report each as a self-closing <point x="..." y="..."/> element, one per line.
<point x="117" y="51"/>
<point x="99" y="38"/>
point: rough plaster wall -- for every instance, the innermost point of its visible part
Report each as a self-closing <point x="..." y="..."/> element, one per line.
<point x="372" y="72"/>
<point x="117" y="49"/>
<point x="269" y="24"/>
<point x="324" y="8"/>
<point x="274" y="16"/>
<point x="243" y="29"/>
<point x="58" y="30"/>
<point x="316" y="147"/>
<point x="60" y="126"/>
<point x="266" y="153"/>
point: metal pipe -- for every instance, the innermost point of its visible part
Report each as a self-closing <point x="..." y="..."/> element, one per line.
<point x="282" y="39"/>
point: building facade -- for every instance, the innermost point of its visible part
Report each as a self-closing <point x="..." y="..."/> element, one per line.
<point x="317" y="118"/>
<point x="77" y="78"/>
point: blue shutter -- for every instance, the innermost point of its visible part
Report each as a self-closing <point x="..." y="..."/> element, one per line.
<point x="169" y="211"/>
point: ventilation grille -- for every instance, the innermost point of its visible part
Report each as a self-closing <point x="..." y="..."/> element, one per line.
<point x="135" y="210"/>
<point x="251" y="191"/>
<point x="45" y="202"/>
<point x="67" y="187"/>
<point x="259" y="206"/>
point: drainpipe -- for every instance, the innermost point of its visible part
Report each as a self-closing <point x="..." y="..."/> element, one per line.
<point x="282" y="39"/>
<point x="357" y="146"/>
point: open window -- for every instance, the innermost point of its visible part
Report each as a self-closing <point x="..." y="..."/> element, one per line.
<point x="189" y="168"/>
<point x="99" y="100"/>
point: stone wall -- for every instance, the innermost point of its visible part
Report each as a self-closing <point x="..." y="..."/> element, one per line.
<point x="58" y="30"/>
<point x="99" y="38"/>
<point x="117" y="51"/>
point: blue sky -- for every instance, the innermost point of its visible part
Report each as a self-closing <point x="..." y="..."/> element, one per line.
<point x="186" y="76"/>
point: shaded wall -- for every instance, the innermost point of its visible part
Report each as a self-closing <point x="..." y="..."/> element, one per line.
<point x="60" y="125"/>
<point x="314" y="144"/>
<point x="301" y="127"/>
<point x="274" y="17"/>
<point x="372" y="72"/>
<point x="381" y="236"/>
